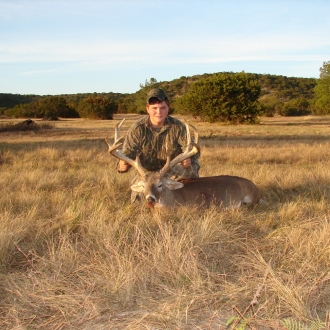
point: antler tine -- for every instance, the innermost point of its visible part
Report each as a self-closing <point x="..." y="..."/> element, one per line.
<point x="117" y="130"/>
<point x="191" y="150"/>
<point x="114" y="150"/>
<point x="191" y="142"/>
<point x="117" y="136"/>
<point x="187" y="154"/>
<point x="195" y="134"/>
<point x="188" y="135"/>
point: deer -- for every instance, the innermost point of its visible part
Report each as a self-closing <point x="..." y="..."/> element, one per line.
<point x="162" y="192"/>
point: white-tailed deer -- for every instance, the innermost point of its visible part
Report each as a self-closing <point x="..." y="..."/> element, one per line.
<point x="160" y="191"/>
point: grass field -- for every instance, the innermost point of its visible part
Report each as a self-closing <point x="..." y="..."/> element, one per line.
<point x="75" y="254"/>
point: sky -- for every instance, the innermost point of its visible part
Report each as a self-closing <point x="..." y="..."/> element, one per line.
<point x="53" y="47"/>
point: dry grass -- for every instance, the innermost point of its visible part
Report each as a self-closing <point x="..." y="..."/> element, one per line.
<point x="25" y="125"/>
<point x="75" y="254"/>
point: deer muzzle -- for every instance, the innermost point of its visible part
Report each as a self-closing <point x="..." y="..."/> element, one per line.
<point x="150" y="201"/>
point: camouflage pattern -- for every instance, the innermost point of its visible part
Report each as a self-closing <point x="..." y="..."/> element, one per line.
<point x="153" y="146"/>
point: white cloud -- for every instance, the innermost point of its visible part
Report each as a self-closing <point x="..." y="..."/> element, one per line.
<point x="207" y="50"/>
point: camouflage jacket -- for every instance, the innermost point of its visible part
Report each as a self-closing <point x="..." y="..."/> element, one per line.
<point x="153" y="146"/>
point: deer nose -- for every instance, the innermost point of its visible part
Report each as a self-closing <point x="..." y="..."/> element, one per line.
<point x="151" y="201"/>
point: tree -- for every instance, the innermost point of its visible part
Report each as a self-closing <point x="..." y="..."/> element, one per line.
<point x="96" y="107"/>
<point x="271" y="105"/>
<point x="149" y="83"/>
<point x="53" y="107"/>
<point x="322" y="91"/>
<point x="25" y="110"/>
<point x="228" y="97"/>
<point x="296" y="107"/>
<point x="48" y="108"/>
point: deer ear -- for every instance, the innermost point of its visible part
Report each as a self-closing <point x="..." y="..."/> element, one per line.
<point x="172" y="184"/>
<point x="138" y="187"/>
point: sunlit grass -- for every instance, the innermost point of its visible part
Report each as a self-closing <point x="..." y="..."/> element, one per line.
<point x="75" y="253"/>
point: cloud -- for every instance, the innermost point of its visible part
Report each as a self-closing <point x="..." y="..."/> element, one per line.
<point x="38" y="56"/>
<point x="116" y="52"/>
<point x="35" y="72"/>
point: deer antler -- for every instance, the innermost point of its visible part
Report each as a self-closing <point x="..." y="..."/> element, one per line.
<point x="114" y="151"/>
<point x="195" y="136"/>
<point x="191" y="150"/>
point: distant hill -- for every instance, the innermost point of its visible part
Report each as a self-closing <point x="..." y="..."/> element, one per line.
<point x="274" y="87"/>
<point x="281" y="87"/>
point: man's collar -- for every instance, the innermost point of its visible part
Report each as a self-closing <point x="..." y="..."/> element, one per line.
<point x="167" y="123"/>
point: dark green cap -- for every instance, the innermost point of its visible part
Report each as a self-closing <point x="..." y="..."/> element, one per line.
<point x="158" y="93"/>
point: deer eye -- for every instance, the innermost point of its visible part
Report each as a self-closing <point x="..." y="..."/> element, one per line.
<point x="160" y="185"/>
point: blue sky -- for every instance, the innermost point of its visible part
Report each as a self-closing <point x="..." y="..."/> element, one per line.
<point x="84" y="46"/>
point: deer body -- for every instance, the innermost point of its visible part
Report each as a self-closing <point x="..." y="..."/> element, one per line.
<point x="227" y="191"/>
<point x="160" y="191"/>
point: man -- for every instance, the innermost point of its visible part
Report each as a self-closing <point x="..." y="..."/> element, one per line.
<point x="157" y="135"/>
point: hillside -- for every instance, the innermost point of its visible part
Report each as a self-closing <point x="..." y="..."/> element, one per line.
<point x="281" y="87"/>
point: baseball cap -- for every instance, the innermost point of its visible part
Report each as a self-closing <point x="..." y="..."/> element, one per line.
<point x="158" y="93"/>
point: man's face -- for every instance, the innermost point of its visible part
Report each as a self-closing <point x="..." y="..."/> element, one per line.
<point x="158" y="113"/>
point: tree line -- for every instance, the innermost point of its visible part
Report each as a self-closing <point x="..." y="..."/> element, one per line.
<point x="92" y="106"/>
<point x="225" y="97"/>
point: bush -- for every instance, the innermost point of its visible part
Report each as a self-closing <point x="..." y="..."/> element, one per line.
<point x="226" y="97"/>
<point x="95" y="107"/>
<point x="296" y="107"/>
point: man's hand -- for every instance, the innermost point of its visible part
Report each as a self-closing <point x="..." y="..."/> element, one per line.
<point x="123" y="167"/>
<point x="186" y="163"/>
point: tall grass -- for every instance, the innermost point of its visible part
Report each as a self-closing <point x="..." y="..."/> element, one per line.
<point x="74" y="253"/>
